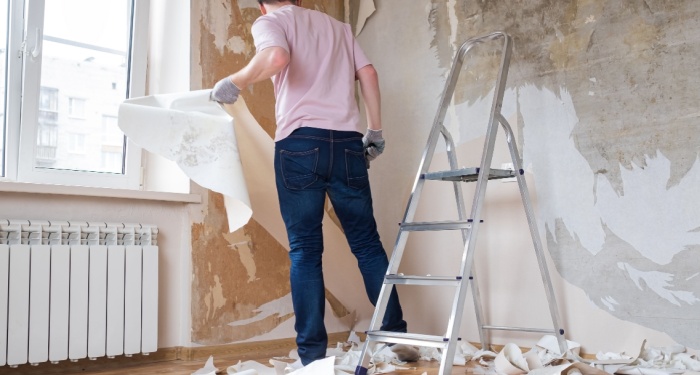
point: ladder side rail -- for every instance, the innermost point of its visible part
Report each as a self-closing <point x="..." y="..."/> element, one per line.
<point x="534" y="233"/>
<point x="438" y="127"/>
<point x="457" y="185"/>
<point x="426" y="159"/>
<point x="462" y="213"/>
<point x="478" y="310"/>
<point x="435" y="131"/>
<point x="484" y="171"/>
<point x="412" y="205"/>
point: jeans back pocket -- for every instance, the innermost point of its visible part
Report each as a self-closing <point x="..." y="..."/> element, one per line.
<point x="356" y="168"/>
<point x="299" y="168"/>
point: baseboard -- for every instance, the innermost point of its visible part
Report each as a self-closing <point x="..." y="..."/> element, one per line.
<point x="101" y="363"/>
<point x="242" y="351"/>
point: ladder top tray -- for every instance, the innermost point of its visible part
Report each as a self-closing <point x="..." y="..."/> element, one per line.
<point x="467" y="174"/>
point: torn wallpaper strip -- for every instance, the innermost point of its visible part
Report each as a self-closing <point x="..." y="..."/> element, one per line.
<point x="199" y="136"/>
<point x="367" y="8"/>
<point x="343" y="360"/>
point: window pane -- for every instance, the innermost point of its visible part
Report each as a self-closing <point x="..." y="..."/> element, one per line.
<point x="4" y="21"/>
<point x="84" y="78"/>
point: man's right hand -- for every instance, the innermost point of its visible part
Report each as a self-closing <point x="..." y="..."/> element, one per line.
<point x="373" y="143"/>
<point x="225" y="91"/>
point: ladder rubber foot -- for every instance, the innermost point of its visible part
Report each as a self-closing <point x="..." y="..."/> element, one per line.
<point x="359" y="370"/>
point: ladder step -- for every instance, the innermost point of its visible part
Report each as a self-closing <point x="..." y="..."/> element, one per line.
<point x="423" y="280"/>
<point x="438" y="225"/>
<point x="408" y="338"/>
<point x="468" y="174"/>
<point x="521" y="329"/>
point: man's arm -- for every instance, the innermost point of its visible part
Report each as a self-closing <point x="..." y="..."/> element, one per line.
<point x="369" y="87"/>
<point x="264" y="65"/>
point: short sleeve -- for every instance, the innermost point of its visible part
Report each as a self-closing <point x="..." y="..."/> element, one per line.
<point x="361" y="59"/>
<point x="268" y="33"/>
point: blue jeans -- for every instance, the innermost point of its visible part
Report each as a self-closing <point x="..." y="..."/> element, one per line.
<point x="309" y="164"/>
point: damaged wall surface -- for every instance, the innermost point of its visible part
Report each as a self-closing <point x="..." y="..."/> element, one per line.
<point x="240" y="288"/>
<point x="605" y="100"/>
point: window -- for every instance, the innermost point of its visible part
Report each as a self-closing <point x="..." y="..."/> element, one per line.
<point x="79" y="59"/>
<point x="48" y="99"/>
<point x="76" y="107"/>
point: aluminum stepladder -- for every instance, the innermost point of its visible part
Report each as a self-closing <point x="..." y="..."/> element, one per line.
<point x="468" y="225"/>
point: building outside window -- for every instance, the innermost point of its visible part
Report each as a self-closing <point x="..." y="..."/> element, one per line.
<point x="76" y="107"/>
<point x="79" y="62"/>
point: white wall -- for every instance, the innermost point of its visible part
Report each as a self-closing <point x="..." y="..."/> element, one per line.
<point x="402" y="42"/>
<point x="168" y="72"/>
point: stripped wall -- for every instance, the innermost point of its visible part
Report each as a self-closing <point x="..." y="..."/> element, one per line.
<point x="605" y="113"/>
<point x="604" y="99"/>
<point x="240" y="288"/>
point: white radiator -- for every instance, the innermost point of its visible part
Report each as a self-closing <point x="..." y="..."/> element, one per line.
<point x="72" y="290"/>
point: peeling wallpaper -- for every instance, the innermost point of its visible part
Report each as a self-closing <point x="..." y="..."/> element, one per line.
<point x="621" y="58"/>
<point x="604" y="98"/>
<point x="240" y="289"/>
<point x="606" y="109"/>
<point x="234" y="274"/>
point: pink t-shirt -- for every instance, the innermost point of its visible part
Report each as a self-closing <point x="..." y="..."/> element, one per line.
<point x="317" y="88"/>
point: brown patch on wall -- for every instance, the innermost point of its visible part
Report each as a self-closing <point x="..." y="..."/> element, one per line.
<point x="336" y="306"/>
<point x="236" y="273"/>
<point x="225" y="287"/>
<point x="216" y="65"/>
<point x="233" y="275"/>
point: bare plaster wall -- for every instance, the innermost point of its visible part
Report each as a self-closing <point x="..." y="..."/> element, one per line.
<point x="240" y="286"/>
<point x="604" y="102"/>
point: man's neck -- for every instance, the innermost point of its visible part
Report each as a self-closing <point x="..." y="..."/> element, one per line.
<point x="273" y="7"/>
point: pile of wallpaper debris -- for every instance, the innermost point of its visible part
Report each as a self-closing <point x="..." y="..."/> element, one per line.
<point x="544" y="358"/>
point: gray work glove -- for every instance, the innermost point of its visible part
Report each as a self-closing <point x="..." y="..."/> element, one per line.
<point x="225" y="92"/>
<point x="374" y="144"/>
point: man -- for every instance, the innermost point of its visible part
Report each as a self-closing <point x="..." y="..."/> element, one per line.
<point x="313" y="61"/>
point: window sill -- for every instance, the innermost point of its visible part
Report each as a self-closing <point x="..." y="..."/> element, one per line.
<point x="30" y="188"/>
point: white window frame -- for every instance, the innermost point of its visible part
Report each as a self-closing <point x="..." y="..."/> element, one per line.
<point x="23" y="98"/>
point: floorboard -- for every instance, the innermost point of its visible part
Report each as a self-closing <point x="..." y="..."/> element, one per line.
<point x="181" y="367"/>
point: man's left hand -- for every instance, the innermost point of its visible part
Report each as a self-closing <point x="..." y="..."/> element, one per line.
<point x="225" y="91"/>
<point x="374" y="144"/>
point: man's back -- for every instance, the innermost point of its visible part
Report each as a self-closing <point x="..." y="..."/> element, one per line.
<point x="317" y="87"/>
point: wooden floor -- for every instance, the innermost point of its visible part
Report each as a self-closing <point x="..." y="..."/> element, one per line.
<point x="180" y="367"/>
<point x="188" y="367"/>
<point x="165" y="361"/>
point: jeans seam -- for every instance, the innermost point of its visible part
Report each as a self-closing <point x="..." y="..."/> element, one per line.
<point x="330" y="164"/>
<point x="308" y="137"/>
<point x="331" y="139"/>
